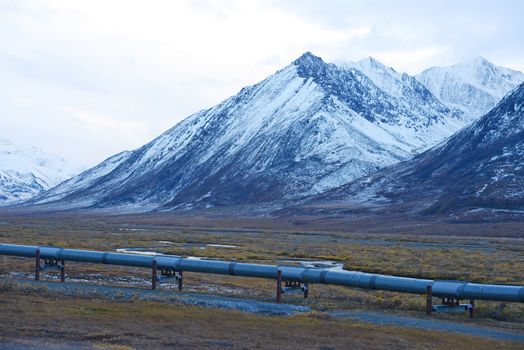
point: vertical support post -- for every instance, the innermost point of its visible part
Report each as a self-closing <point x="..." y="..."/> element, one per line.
<point x="180" y="280"/>
<point x="472" y="310"/>
<point x="429" y="300"/>
<point x="62" y="271"/>
<point x="154" y="275"/>
<point x="279" y="286"/>
<point x="306" y="290"/>
<point x="37" y="265"/>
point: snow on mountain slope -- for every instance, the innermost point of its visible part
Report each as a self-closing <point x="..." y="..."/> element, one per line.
<point x="13" y="188"/>
<point x="402" y="86"/>
<point x="482" y="166"/>
<point x="27" y="171"/>
<point x="87" y="178"/>
<point x="473" y="86"/>
<point x="411" y="95"/>
<point x="309" y="127"/>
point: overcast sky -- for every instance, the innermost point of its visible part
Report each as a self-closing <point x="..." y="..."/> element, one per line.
<point x="88" y="79"/>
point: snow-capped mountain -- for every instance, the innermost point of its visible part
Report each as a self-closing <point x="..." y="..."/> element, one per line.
<point x="310" y="127"/>
<point x="473" y="87"/>
<point x="27" y="171"/>
<point x="481" y="166"/>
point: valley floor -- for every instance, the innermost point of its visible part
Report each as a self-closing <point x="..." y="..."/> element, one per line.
<point x="111" y="307"/>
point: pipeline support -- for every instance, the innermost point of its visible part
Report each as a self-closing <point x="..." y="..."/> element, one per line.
<point x="429" y="300"/>
<point x="154" y="276"/>
<point x="180" y="280"/>
<point x="62" y="271"/>
<point x="279" y="286"/>
<point x="37" y="265"/>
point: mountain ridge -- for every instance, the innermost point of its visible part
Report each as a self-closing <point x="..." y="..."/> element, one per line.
<point x="310" y="127"/>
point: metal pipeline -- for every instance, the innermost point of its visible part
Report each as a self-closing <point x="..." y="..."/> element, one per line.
<point x="451" y="289"/>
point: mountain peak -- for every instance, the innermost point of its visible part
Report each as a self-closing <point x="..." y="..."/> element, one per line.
<point x="371" y="64"/>
<point x="307" y="60"/>
<point x="372" y="61"/>
<point x="477" y="62"/>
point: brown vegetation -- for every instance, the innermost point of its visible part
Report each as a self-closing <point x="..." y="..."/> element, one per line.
<point x="474" y="258"/>
<point x="124" y="325"/>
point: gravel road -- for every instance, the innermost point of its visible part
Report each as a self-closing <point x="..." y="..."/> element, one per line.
<point x="429" y="324"/>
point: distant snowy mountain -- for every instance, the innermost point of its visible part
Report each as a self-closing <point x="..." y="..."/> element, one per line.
<point x="473" y="87"/>
<point x="480" y="167"/>
<point x="310" y="127"/>
<point x="26" y="172"/>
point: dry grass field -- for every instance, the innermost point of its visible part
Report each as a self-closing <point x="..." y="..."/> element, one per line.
<point x="30" y="314"/>
<point x="54" y="321"/>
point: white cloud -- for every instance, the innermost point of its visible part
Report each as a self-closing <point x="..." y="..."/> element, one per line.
<point x="106" y="126"/>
